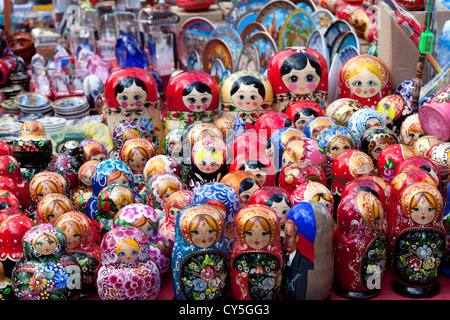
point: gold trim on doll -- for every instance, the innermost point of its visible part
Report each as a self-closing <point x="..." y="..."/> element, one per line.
<point x="32" y="130"/>
<point x="421" y="200"/>
<point x="53" y="206"/>
<point x="75" y="226"/>
<point x="371" y="210"/>
<point x="136" y="152"/>
<point x="46" y="183"/>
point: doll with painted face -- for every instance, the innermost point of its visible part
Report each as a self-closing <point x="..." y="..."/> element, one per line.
<point x="298" y="173"/>
<point x="231" y="126"/>
<point x="341" y="110"/>
<point x="128" y="129"/>
<point x="301" y="112"/>
<point x="93" y="150"/>
<point x="313" y="191"/>
<point x="199" y="263"/>
<point x="6" y="285"/>
<point x="298" y="149"/>
<point x="364" y="119"/>
<point x="51" y="207"/>
<point x="364" y="78"/>
<point x="132" y="95"/>
<point x="411" y="130"/>
<point x="258" y="164"/>
<point x="418" y="241"/>
<point x="359" y="246"/>
<point x="80" y="244"/>
<point x="161" y="163"/>
<point x="146" y="219"/>
<point x="256" y="260"/>
<point x="375" y="139"/>
<point x="246" y="94"/>
<point x="309" y="263"/>
<point x="48" y="182"/>
<point x="298" y="73"/>
<point x="191" y="96"/>
<point x="74" y="149"/>
<point x="423" y="145"/>
<point x="135" y="153"/>
<point x="46" y="270"/>
<point x="279" y="139"/>
<point x="244" y="183"/>
<point x="83" y="191"/>
<point x="126" y="257"/>
<point x="394" y="108"/>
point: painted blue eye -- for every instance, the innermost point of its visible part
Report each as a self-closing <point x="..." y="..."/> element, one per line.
<point x="125" y="98"/>
<point x="241" y="97"/>
<point x="293" y="78"/>
<point x="359" y="84"/>
<point x="136" y="97"/>
<point x="309" y="78"/>
<point x="370" y="83"/>
<point x="253" y="97"/>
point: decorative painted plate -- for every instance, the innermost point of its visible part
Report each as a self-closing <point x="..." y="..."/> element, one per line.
<point x="266" y="48"/>
<point x="231" y="38"/>
<point x="245" y="19"/>
<point x="273" y="15"/>
<point x="217" y="49"/>
<point x="192" y="36"/>
<point x="296" y="29"/>
<point x="194" y="62"/>
<point x="241" y="8"/>
<point x="333" y="32"/>
<point x="219" y="72"/>
<point x="336" y="65"/>
<point x="317" y="42"/>
<point x="347" y="39"/>
<point x="251" y="29"/>
<point x="323" y="19"/>
<point x="249" y="58"/>
<point x="31" y="99"/>
<point x="307" y="5"/>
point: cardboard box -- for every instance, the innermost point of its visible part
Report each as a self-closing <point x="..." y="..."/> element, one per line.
<point x="213" y="14"/>
<point x="397" y="50"/>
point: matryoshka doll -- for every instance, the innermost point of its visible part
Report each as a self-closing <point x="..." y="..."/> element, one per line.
<point x="6" y="285"/>
<point x="67" y="166"/>
<point x="394" y="109"/>
<point x="309" y="256"/>
<point x="298" y="73"/>
<point x="51" y="207"/>
<point x="359" y="246"/>
<point x="128" y="129"/>
<point x="364" y="119"/>
<point x="74" y="149"/>
<point x="175" y="203"/>
<point x="314" y="126"/>
<point x="172" y="144"/>
<point x="271" y="121"/>
<point x="364" y="78"/>
<point x="316" y="191"/>
<point x="126" y="271"/>
<point x="279" y="139"/>
<point x="10" y="167"/>
<point x="425" y="164"/>
<point x="420" y="241"/>
<point x="256" y="261"/>
<point x="375" y="139"/>
<point x="94" y="150"/>
<point x="244" y="183"/>
<point x="411" y="130"/>
<point x="298" y="149"/>
<point x="191" y="96"/>
<point x="161" y="163"/>
<point x="159" y="188"/>
<point x="224" y="198"/>
<point x="199" y="263"/>
<point x="246" y="94"/>
<point x="110" y="200"/>
<point x="83" y="191"/>
<point x="32" y="148"/>
<point x="80" y="244"/>
<point x="422" y="145"/>
<point x="146" y="219"/>
<point x="8" y="198"/>
<point x="300" y="172"/>
<point x="439" y="154"/>
<point x="46" y="271"/>
<point x="301" y="112"/>
<point x="258" y="164"/>
<point x="341" y="110"/>
<point x="48" y="182"/>
<point x="231" y="126"/>
<point x="131" y="94"/>
<point x="135" y="153"/>
<point x="390" y="157"/>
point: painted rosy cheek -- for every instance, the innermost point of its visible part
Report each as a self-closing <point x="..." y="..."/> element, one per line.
<point x="240" y="104"/>
<point x="204" y="106"/>
<point x="191" y="107"/>
<point x="292" y="87"/>
<point x="358" y="90"/>
<point x="255" y="104"/>
<point x="138" y="103"/>
<point x="311" y="86"/>
<point x="372" y="90"/>
<point x="124" y="104"/>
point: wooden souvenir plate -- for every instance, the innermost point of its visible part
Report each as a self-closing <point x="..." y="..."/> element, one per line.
<point x="251" y="29"/>
<point x="347" y="39"/>
<point x="231" y="38"/>
<point x="273" y="15"/>
<point x="323" y="19"/>
<point x="31" y="100"/>
<point x="317" y="42"/>
<point x="193" y="35"/>
<point x="235" y="13"/>
<point x="336" y="65"/>
<point x="333" y="32"/>
<point x="194" y="62"/>
<point x="307" y="5"/>
<point x="266" y="48"/>
<point x="219" y="72"/>
<point x="249" y="58"/>
<point x="217" y="49"/>
<point x="72" y="103"/>
<point x="245" y="19"/>
<point x="296" y="29"/>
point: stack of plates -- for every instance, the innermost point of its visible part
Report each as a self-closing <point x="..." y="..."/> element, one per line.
<point x="11" y="91"/>
<point x="10" y="106"/>
<point x="33" y="102"/>
<point x="52" y="124"/>
<point x="19" y="79"/>
<point x="71" y="107"/>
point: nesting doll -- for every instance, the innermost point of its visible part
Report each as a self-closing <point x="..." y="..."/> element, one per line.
<point x="146" y="219"/>
<point x="394" y="108"/>
<point x="67" y="166"/>
<point x="159" y="188"/>
<point x="418" y="241"/>
<point x="80" y="244"/>
<point x="422" y="163"/>
<point x="175" y="203"/>
<point x="433" y="115"/>
<point x="108" y="172"/>
<point x="231" y="126"/>
<point x="131" y="94"/>
<point x="316" y="191"/>
<point x="51" y="207"/>
<point x="375" y="139"/>
<point x="341" y="110"/>
<point x="110" y="200"/>
<point x="422" y="145"/>
<point x="411" y="130"/>
<point x="364" y="119"/>
<point x="161" y="163"/>
<point x="279" y="139"/>
<point x="94" y="150"/>
<point x="364" y="78"/>
<point x="191" y="96"/>
<point x="126" y="271"/>
<point x="48" y="182"/>
<point x="334" y="141"/>
<point x="6" y="285"/>
<point x="72" y="148"/>
<point x="368" y="185"/>
<point x="244" y="183"/>
<point x="251" y="142"/>
<point x="82" y="193"/>
<point x="32" y="148"/>
<point x="256" y="260"/>
<point x="10" y="167"/>
<point x="172" y="144"/>
<point x="300" y="172"/>
<point x="246" y="94"/>
<point x="271" y="121"/>
<point x="359" y="246"/>
<point x="209" y="162"/>
<point x="390" y="157"/>
<point x="314" y="126"/>
<point x="298" y="73"/>
<point x="8" y="198"/>
<point x="47" y="271"/>
<point x="298" y="149"/>
<point x="439" y="154"/>
<point x="128" y="129"/>
<point x="301" y="112"/>
<point x="12" y="229"/>
<point x="199" y="264"/>
<point x="275" y="198"/>
<point x="258" y="164"/>
<point x="224" y="198"/>
<point x="135" y="153"/>
<point x="309" y="257"/>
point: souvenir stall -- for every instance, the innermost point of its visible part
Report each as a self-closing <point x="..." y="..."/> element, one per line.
<point x="225" y="150"/>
